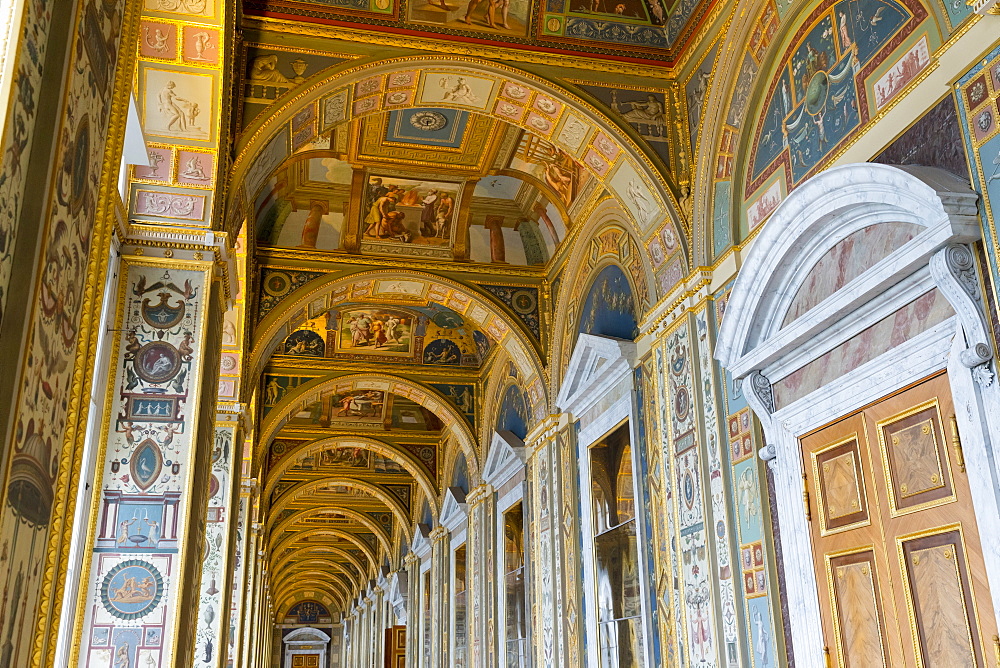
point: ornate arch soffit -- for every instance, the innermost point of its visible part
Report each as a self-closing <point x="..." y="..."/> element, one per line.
<point x="315" y="554"/>
<point x="304" y="488"/>
<point x="508" y="94"/>
<point x="333" y="582"/>
<point x="323" y="568"/>
<point x="405" y="459"/>
<point x="823" y="211"/>
<point x="287" y="541"/>
<point x="322" y="294"/>
<point x="585" y="262"/>
<point x="350" y="513"/>
<point x="338" y="579"/>
<point x="712" y="121"/>
<point x="312" y="391"/>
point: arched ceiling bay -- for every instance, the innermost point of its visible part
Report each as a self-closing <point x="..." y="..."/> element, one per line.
<point x="410" y="222"/>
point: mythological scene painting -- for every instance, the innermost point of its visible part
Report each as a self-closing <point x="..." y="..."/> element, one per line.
<point x="179" y="105"/>
<point x="507" y="17"/>
<point x="376" y="332"/>
<point x="405" y="211"/>
<point x="352" y="406"/>
<point x="644" y="110"/>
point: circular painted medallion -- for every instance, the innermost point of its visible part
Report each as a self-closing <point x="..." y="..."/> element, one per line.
<point x="816" y="92"/>
<point x="523" y="302"/>
<point x="277" y="284"/>
<point x="132" y="589"/>
<point x="157" y="362"/>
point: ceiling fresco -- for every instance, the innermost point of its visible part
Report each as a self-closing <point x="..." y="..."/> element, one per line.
<point x="427" y="183"/>
<point x="627" y="30"/>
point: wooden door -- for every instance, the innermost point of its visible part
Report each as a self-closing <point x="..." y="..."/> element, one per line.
<point x="305" y="660"/>
<point x="895" y="544"/>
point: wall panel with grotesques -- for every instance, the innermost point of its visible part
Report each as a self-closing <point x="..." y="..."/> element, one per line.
<point x="143" y="533"/>
<point x="46" y="438"/>
<point x="979" y="112"/>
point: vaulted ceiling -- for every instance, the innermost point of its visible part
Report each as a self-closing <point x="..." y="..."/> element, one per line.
<point x="407" y="260"/>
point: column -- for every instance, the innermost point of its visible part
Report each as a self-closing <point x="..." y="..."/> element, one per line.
<point x="414" y="611"/>
<point x="440" y="588"/>
<point x="241" y="577"/>
<point x="479" y="550"/>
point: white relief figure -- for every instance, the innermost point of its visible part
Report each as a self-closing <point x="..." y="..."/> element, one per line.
<point x="194" y="170"/>
<point x="746" y="491"/>
<point x="763" y="641"/>
<point x="178" y="6"/>
<point x="159" y="41"/>
<point x="201" y="43"/>
<point x="995" y="176"/>
<point x="175" y="110"/>
<point x="644" y="208"/>
<point x="459" y="93"/>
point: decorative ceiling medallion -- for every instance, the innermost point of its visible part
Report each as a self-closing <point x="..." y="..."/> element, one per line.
<point x="157" y="362"/>
<point x="523" y="302"/>
<point x="146" y="464"/>
<point x="162" y="315"/>
<point x="428" y="121"/>
<point x="132" y="589"/>
<point x="278" y="284"/>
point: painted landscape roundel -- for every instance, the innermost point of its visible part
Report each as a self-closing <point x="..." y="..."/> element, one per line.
<point x="132" y="589"/>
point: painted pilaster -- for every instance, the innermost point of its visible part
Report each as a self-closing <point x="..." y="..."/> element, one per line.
<point x="238" y="609"/>
<point x="539" y="548"/>
<point x="219" y="547"/>
<point x="149" y="515"/>
<point x="45" y="395"/>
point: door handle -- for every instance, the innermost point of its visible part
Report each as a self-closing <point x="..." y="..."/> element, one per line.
<point x="956" y="443"/>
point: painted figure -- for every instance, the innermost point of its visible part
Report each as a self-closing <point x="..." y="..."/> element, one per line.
<point x="445" y="208"/>
<point x="428" y="215"/>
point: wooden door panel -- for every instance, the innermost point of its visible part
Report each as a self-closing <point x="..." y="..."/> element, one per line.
<point x="894" y="536"/>
<point x="842" y="495"/>
<point x="915" y="457"/>
<point x="858" y="608"/>
<point x="940" y="598"/>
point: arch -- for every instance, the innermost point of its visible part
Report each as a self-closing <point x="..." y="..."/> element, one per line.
<point x="610" y="239"/>
<point x="390" y="502"/>
<point x="324" y="531"/>
<point x="306" y="557"/>
<point x="383" y="538"/>
<point x="332" y="582"/>
<point x="335" y="579"/>
<point x="323" y="568"/>
<point x="579" y="128"/>
<point x="324" y="595"/>
<point x="405" y="459"/>
<point x="321" y="294"/>
<point x="825" y="210"/>
<point x="312" y="391"/>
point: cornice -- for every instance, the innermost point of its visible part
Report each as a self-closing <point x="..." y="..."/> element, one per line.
<point x="371" y="36"/>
